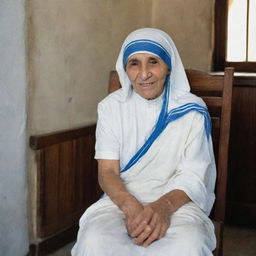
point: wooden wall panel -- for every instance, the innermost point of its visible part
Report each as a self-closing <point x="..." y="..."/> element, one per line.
<point x="241" y="194"/>
<point x="82" y="178"/>
<point x="49" y="167"/>
<point x="66" y="200"/>
<point x="67" y="178"/>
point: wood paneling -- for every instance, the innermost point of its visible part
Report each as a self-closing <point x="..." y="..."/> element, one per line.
<point x="241" y="196"/>
<point x="47" y="246"/>
<point x="67" y="181"/>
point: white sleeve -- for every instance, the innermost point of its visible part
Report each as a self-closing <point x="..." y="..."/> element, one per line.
<point x="196" y="171"/>
<point x="107" y="144"/>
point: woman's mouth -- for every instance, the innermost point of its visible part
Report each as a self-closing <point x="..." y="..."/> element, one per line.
<point x="146" y="84"/>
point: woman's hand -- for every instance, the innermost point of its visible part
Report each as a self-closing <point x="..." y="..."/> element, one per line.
<point x="113" y="186"/>
<point x="131" y="208"/>
<point x="152" y="223"/>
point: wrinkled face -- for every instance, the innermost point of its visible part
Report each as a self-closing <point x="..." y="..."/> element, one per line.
<point x="147" y="74"/>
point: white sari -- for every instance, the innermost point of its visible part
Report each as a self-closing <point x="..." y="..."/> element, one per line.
<point x="180" y="158"/>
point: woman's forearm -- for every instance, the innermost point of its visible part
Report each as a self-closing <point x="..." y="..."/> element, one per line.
<point x="112" y="184"/>
<point x="174" y="200"/>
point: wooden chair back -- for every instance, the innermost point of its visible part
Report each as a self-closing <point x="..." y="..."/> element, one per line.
<point x="216" y="91"/>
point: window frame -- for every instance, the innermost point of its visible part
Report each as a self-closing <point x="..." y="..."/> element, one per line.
<point x="221" y="14"/>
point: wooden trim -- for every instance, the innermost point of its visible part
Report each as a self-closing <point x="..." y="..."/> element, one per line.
<point x="241" y="79"/>
<point x="46" y="140"/>
<point x="53" y="243"/>
<point x="213" y="101"/>
<point x="247" y="29"/>
<point x="223" y="146"/>
<point x="218" y="226"/>
<point x="195" y="77"/>
<point x="245" y="81"/>
<point x="242" y="66"/>
<point x="220" y="34"/>
<point x="114" y="83"/>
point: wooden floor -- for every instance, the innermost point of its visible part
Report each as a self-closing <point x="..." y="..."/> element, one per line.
<point x="238" y="242"/>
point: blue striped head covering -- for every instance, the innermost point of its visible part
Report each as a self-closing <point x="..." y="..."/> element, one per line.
<point x="148" y="46"/>
<point x="156" y="42"/>
<point x="177" y="99"/>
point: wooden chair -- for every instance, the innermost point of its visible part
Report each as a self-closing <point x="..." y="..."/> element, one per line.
<point x="216" y="90"/>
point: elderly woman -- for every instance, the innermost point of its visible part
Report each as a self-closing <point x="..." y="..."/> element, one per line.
<point x="155" y="158"/>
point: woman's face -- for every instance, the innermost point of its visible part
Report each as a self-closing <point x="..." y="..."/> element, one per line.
<point x="147" y="74"/>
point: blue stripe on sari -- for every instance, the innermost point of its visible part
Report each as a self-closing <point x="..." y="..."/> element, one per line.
<point x="164" y="119"/>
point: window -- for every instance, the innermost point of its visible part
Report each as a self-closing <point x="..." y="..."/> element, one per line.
<point x="235" y="34"/>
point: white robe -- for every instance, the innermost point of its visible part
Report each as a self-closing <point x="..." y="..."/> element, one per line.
<point x="181" y="158"/>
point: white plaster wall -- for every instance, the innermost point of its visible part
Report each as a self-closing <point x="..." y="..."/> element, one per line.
<point x="73" y="46"/>
<point x="190" y="24"/>
<point x="13" y="185"/>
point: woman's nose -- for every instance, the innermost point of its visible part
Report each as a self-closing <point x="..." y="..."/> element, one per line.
<point x="145" y="73"/>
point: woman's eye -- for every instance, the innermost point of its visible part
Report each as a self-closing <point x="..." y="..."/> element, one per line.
<point x="133" y="63"/>
<point x="153" y="61"/>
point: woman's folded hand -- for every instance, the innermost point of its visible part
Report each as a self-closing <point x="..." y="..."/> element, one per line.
<point x="151" y="223"/>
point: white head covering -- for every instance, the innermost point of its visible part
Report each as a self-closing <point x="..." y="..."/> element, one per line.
<point x="179" y="85"/>
<point x="177" y="100"/>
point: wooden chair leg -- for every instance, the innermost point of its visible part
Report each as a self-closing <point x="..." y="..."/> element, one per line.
<point x="219" y="226"/>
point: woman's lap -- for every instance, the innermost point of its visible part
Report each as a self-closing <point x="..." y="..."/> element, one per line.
<point x="103" y="233"/>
